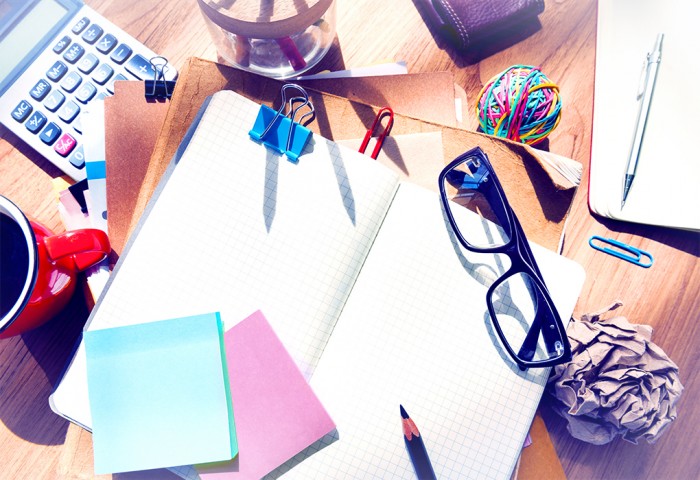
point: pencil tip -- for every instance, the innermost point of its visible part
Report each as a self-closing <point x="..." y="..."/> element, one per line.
<point x="403" y="412"/>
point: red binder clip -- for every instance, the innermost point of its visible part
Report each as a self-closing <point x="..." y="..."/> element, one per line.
<point x="386" y="111"/>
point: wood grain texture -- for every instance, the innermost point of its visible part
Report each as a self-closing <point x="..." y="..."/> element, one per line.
<point x="35" y="443"/>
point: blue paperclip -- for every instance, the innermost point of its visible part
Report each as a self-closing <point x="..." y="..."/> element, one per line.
<point x="621" y="250"/>
<point x="279" y="131"/>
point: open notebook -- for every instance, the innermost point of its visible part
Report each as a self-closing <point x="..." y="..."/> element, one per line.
<point x="665" y="190"/>
<point x="361" y="279"/>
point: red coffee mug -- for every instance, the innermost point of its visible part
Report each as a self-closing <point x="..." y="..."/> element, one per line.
<point x="38" y="269"/>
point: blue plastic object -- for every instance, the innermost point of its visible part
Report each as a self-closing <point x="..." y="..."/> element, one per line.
<point x="279" y="131"/>
<point x="621" y="250"/>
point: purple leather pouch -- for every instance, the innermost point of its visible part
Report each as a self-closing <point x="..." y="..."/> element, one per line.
<point x="466" y="22"/>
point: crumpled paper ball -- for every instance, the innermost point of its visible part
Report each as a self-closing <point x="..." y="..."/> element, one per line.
<point x="618" y="382"/>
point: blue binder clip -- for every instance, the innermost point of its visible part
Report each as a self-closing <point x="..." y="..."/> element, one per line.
<point x="621" y="250"/>
<point x="279" y="131"/>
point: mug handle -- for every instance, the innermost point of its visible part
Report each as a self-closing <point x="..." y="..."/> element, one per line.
<point x="87" y="246"/>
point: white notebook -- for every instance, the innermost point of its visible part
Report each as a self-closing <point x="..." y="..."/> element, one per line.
<point x="361" y="279"/>
<point x="664" y="191"/>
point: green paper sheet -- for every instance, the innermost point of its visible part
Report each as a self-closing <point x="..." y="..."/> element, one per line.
<point x="159" y="395"/>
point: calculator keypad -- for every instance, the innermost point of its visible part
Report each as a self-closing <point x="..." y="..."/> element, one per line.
<point x="106" y="43"/>
<point x="54" y="101"/>
<point x="71" y="81"/>
<point x="92" y="34"/>
<point x="35" y="122"/>
<point x="57" y="71"/>
<point x="22" y="111"/>
<point x="87" y="60"/>
<point x="88" y="63"/>
<point x="50" y="133"/>
<point x="40" y="90"/>
<point x="121" y="53"/>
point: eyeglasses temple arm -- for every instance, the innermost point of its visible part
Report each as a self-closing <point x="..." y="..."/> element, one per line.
<point x="550" y="335"/>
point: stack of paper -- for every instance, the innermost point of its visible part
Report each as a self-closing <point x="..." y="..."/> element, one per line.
<point x="362" y="280"/>
<point x="664" y="191"/>
<point x="159" y="395"/>
<point x="277" y="413"/>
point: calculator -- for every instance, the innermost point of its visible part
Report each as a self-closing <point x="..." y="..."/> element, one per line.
<point x="57" y="56"/>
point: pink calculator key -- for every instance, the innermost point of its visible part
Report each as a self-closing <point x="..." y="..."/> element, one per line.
<point x="65" y="145"/>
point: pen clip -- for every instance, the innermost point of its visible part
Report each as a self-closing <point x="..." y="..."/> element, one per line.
<point x="621" y="250"/>
<point x="643" y="76"/>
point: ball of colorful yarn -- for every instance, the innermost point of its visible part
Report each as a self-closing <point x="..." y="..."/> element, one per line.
<point x="521" y="104"/>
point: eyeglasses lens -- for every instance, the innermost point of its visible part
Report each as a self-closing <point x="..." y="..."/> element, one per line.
<point x="525" y="319"/>
<point x="469" y="190"/>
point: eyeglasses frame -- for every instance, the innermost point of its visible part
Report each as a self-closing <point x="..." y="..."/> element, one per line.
<point x="522" y="261"/>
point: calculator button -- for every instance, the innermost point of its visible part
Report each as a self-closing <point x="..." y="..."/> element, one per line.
<point x="22" y="111"/>
<point x="61" y="44"/>
<point x="110" y="85"/>
<point x="102" y="74"/>
<point x="78" y="124"/>
<point x="78" y="157"/>
<point x="141" y="68"/>
<point x="106" y="43"/>
<point x="54" y="100"/>
<point x="40" y="90"/>
<point x="71" y="81"/>
<point x="74" y="53"/>
<point x="65" y="145"/>
<point x="92" y="34"/>
<point x="57" y="71"/>
<point x="50" y="133"/>
<point x="121" y="54"/>
<point x="69" y="111"/>
<point x="85" y="93"/>
<point x="35" y="122"/>
<point x="88" y="63"/>
<point x="80" y="26"/>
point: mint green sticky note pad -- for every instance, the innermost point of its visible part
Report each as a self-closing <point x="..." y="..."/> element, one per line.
<point x="159" y="395"/>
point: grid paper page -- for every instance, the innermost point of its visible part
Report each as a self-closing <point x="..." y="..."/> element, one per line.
<point x="416" y="331"/>
<point x="239" y="228"/>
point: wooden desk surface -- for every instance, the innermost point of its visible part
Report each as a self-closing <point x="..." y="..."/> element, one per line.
<point x="35" y="443"/>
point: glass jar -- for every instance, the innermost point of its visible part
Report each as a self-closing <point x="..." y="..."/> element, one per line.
<point x="279" y="39"/>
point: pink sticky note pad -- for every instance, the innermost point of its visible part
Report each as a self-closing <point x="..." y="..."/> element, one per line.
<point x="276" y="412"/>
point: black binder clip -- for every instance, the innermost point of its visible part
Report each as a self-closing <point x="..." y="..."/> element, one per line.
<point x="279" y="131"/>
<point x="159" y="87"/>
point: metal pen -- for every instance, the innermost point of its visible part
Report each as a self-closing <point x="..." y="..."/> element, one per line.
<point x="652" y="67"/>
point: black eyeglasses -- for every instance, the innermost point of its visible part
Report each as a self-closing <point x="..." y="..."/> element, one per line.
<point x="521" y="309"/>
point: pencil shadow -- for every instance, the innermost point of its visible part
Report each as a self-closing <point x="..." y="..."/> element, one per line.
<point x="344" y="187"/>
<point x="30" y="367"/>
<point x="269" y="203"/>
<point x="314" y="448"/>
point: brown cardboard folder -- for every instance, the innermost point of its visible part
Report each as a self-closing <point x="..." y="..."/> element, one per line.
<point x="539" y="195"/>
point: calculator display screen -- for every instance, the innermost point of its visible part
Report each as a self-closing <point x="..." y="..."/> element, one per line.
<point x="24" y="26"/>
